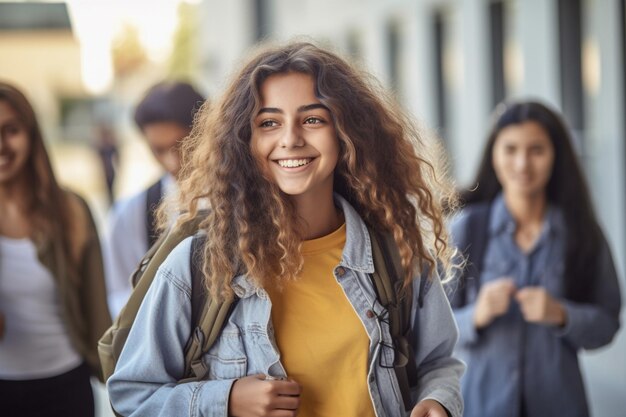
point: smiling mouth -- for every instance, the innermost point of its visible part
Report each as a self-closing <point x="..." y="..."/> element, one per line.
<point x="294" y="163"/>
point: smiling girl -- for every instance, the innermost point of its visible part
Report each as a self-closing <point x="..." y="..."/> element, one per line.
<point x="545" y="286"/>
<point x="300" y="153"/>
<point x="52" y="294"/>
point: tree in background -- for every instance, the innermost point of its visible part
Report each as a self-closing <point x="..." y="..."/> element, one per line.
<point x="127" y="52"/>
<point x="182" y="63"/>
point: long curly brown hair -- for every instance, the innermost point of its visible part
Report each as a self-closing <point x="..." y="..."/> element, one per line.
<point x="383" y="171"/>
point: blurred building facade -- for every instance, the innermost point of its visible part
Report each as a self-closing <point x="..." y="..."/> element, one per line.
<point x="450" y="62"/>
<point x="41" y="56"/>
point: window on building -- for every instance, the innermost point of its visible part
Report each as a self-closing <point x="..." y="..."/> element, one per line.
<point x="79" y="115"/>
<point x="393" y="54"/>
<point x="260" y="10"/>
<point x="438" y="31"/>
<point x="497" y="33"/>
<point x="622" y="19"/>
<point x="354" y="44"/>
<point x="622" y="12"/>
<point x="570" y="49"/>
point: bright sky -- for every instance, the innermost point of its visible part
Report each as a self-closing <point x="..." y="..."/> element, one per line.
<point x="96" y="22"/>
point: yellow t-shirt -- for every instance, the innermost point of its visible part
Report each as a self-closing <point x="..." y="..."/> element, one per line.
<point x="323" y="344"/>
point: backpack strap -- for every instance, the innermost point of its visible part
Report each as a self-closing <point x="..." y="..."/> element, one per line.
<point x="208" y="316"/>
<point x="478" y="225"/>
<point x="198" y="290"/>
<point x="473" y="243"/>
<point x="154" y="194"/>
<point x="387" y="279"/>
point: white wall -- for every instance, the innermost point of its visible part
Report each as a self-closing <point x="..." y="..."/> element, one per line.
<point x="605" y="369"/>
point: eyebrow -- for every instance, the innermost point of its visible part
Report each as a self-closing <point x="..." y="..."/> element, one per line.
<point x="12" y="121"/>
<point x="300" y="109"/>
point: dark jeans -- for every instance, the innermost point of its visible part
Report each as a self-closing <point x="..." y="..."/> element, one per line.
<point x="65" y="395"/>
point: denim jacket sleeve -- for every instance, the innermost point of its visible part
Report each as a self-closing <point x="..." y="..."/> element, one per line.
<point x="592" y="325"/>
<point x="439" y="372"/>
<point x="145" y="379"/>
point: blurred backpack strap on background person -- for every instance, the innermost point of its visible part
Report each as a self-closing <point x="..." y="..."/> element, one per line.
<point x="154" y="195"/>
<point x="472" y="242"/>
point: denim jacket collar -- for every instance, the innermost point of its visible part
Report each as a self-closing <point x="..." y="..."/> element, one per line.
<point x="501" y="219"/>
<point x="357" y="253"/>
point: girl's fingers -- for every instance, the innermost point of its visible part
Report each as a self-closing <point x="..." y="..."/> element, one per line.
<point x="286" y="387"/>
<point x="284" y="402"/>
<point x="283" y="413"/>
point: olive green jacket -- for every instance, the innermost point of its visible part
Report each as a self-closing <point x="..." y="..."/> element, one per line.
<point x="83" y="291"/>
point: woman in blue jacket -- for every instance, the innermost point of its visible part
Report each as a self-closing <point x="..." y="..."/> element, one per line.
<point x="297" y="156"/>
<point x="540" y="284"/>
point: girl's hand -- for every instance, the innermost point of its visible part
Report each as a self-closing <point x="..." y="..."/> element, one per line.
<point x="429" y="408"/>
<point x="254" y="396"/>
<point x="538" y="306"/>
<point x="493" y="301"/>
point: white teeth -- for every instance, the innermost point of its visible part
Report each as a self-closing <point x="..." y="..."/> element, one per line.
<point x="293" y="163"/>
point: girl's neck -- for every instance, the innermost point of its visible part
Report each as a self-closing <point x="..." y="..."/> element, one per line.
<point x="527" y="209"/>
<point x="14" y="221"/>
<point x="13" y="193"/>
<point x="320" y="215"/>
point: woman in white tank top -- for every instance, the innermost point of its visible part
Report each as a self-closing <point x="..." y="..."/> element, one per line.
<point x="52" y="297"/>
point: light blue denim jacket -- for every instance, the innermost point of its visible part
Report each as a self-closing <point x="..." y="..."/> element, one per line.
<point x="144" y="382"/>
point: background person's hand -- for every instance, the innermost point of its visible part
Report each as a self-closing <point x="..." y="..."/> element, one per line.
<point x="254" y="396"/>
<point x="493" y="301"/>
<point x="538" y="306"/>
<point x="429" y="408"/>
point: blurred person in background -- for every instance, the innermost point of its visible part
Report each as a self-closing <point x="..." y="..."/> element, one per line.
<point x="544" y="286"/>
<point x="53" y="305"/>
<point x="164" y="116"/>
<point x="105" y="145"/>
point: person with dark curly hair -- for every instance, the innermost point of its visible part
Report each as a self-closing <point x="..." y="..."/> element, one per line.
<point x="299" y="155"/>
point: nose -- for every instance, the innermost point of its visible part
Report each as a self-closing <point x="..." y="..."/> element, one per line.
<point x="292" y="138"/>
<point x="521" y="161"/>
<point x="171" y="162"/>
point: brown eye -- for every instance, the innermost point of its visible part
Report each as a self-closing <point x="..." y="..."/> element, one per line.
<point x="537" y="150"/>
<point x="268" y="123"/>
<point x="509" y="149"/>
<point x="11" y="129"/>
<point x="313" y="121"/>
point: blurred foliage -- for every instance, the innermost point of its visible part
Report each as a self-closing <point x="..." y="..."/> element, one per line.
<point x="127" y="52"/>
<point x="182" y="62"/>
